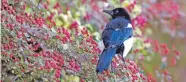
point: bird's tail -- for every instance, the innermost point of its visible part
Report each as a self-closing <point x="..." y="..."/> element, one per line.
<point x="105" y="59"/>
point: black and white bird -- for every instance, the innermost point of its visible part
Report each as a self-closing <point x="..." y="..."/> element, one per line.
<point x="117" y="38"/>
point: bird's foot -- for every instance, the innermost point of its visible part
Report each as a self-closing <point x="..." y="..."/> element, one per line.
<point x="123" y="59"/>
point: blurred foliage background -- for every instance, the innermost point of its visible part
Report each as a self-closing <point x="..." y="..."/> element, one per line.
<point x="178" y="71"/>
<point x="59" y="40"/>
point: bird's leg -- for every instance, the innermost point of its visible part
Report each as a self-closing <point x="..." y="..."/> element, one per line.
<point x="123" y="59"/>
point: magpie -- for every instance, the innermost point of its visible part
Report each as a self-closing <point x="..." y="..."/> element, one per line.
<point x="117" y="37"/>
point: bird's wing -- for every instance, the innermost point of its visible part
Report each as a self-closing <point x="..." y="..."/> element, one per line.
<point x="116" y="32"/>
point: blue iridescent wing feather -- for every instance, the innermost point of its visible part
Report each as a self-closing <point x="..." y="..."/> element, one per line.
<point x="111" y="36"/>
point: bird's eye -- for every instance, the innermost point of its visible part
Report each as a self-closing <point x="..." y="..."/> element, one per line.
<point x="115" y="12"/>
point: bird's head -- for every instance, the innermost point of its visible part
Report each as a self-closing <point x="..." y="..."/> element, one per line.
<point x="118" y="12"/>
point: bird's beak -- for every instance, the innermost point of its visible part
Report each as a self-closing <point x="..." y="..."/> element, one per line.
<point x="110" y="12"/>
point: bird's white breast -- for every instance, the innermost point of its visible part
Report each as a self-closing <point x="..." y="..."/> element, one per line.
<point x="127" y="46"/>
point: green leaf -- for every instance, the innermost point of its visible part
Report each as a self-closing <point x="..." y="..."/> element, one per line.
<point x="90" y="27"/>
<point x="28" y="9"/>
<point x="97" y="36"/>
<point x="59" y="22"/>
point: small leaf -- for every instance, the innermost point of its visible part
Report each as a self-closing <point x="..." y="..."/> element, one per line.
<point x="126" y="3"/>
<point x="28" y="9"/>
<point x="97" y="36"/>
